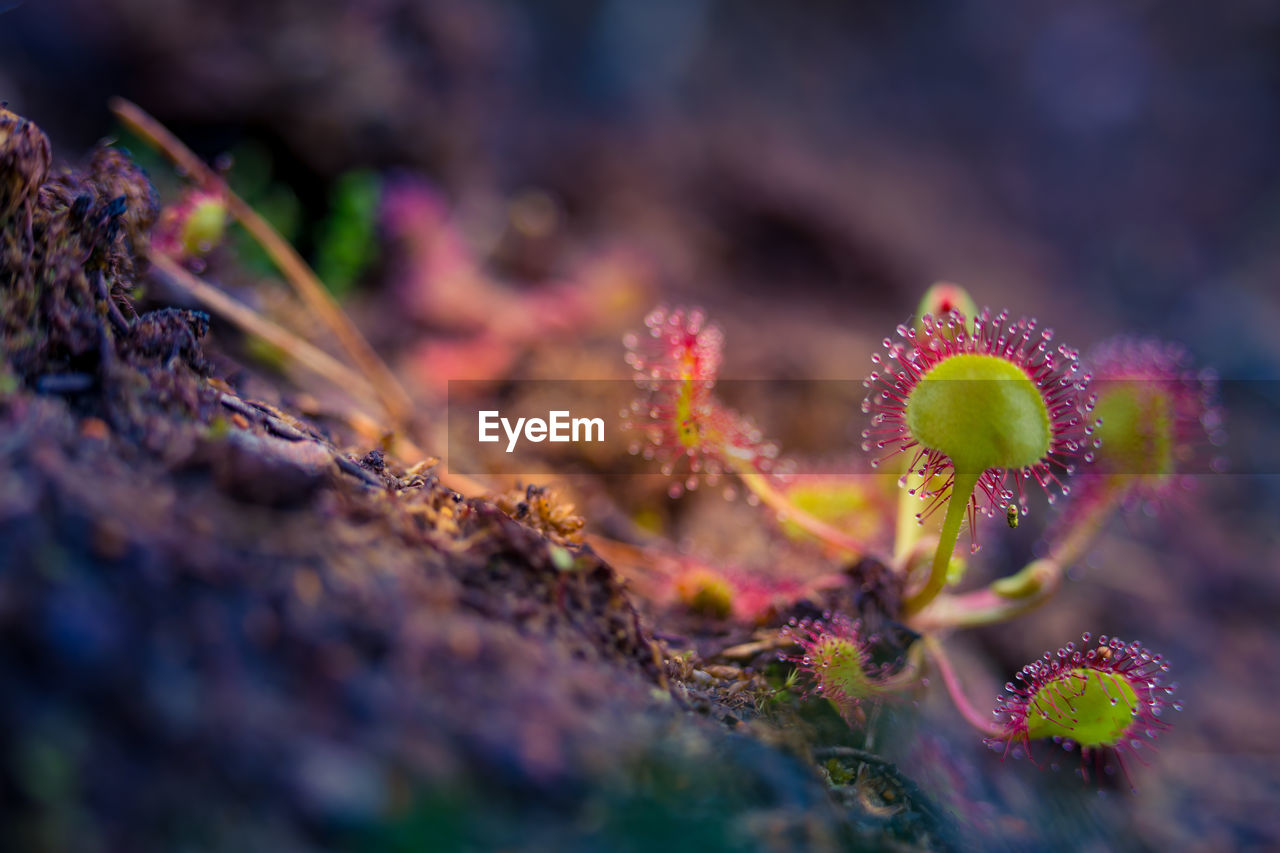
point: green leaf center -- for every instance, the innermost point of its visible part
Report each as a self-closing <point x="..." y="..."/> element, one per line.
<point x="982" y="411"/>
<point x="1136" y="429"/>
<point x="1092" y="708"/>
<point x="839" y="665"/>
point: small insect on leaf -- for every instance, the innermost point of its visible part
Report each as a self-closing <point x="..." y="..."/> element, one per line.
<point x="1011" y="513"/>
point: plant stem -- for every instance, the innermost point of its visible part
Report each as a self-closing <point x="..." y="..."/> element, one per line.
<point x="962" y="485"/>
<point x="1070" y="548"/>
<point x="972" y="715"/>
<point x="986" y="606"/>
<point x="1032" y="586"/>
<point x="908" y="528"/>
<point x="769" y="495"/>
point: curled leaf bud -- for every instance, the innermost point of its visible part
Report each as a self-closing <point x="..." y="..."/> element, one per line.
<point x="943" y="300"/>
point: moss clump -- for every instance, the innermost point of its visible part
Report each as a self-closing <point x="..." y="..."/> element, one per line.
<point x="24" y="161"/>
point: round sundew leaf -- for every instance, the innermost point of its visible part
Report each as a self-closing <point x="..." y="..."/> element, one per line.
<point x="1136" y="429"/>
<point x="982" y="411"/>
<point x="1091" y="707"/>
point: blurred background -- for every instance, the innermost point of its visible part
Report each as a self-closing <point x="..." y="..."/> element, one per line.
<point x="803" y="171"/>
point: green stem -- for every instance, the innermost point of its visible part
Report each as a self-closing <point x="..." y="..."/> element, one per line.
<point x="1018" y="594"/>
<point x="769" y="495"/>
<point x="957" y="506"/>
<point x="1073" y="546"/>
<point x="908" y="528"/>
<point x="1030" y="587"/>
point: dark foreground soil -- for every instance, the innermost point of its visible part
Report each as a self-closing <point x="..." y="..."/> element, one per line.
<point x="224" y="626"/>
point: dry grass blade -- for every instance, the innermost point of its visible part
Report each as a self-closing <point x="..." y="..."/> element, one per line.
<point x="372" y="383"/>
<point x="307" y="356"/>
<point x="390" y="393"/>
<point x="317" y="361"/>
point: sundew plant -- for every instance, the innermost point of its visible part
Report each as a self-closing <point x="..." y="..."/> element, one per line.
<point x="862" y="570"/>
<point x="972" y="411"/>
